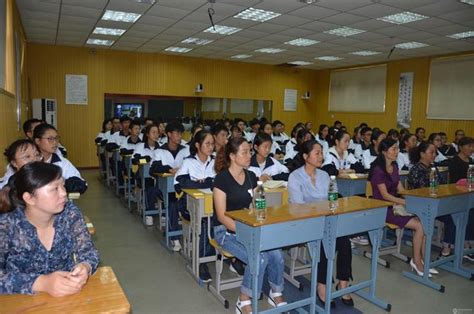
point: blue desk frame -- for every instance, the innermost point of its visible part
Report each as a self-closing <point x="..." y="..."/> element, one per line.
<point x="427" y="209"/>
<point x="349" y="187"/>
<point x="144" y="173"/>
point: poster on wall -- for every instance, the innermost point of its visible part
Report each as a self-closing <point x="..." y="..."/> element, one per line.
<point x="289" y="102"/>
<point x="405" y="94"/>
<point x="76" y="89"/>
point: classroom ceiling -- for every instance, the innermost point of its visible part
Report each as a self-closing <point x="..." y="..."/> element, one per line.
<point x="167" y="23"/>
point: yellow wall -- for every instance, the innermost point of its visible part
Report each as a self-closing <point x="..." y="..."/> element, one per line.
<point x="150" y="74"/>
<point x="388" y="119"/>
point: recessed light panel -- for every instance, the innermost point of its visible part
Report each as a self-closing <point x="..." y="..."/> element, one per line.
<point x="328" y="58"/>
<point x="109" y="31"/>
<point x="302" y="42"/>
<point x="410" y="45"/>
<point x="120" y="16"/>
<point x="102" y="42"/>
<point x="197" y="41"/>
<point x="344" y="31"/>
<point x="365" y="53"/>
<point x="178" y="49"/>
<point x="462" y="35"/>
<point x="257" y="15"/>
<point x="221" y="29"/>
<point x="241" y="56"/>
<point x="270" y="50"/>
<point x="402" y="18"/>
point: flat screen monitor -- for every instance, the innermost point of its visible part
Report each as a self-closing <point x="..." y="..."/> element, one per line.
<point x="126" y="109"/>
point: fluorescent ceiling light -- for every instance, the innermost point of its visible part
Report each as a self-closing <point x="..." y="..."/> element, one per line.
<point x="109" y="31"/>
<point x="471" y="2"/>
<point x="223" y="30"/>
<point x="197" y="41"/>
<point x="402" y="18"/>
<point x="300" y="62"/>
<point x="302" y="42"/>
<point x="178" y="49"/>
<point x="270" y="50"/>
<point x="365" y="53"/>
<point x="328" y="58"/>
<point x="102" y="42"/>
<point x="144" y="1"/>
<point x="241" y="56"/>
<point x="121" y="16"/>
<point x="257" y="15"/>
<point x="462" y="35"/>
<point x="410" y="45"/>
<point x="344" y="31"/>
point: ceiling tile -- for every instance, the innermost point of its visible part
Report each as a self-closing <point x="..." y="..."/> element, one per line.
<point x="407" y="4"/>
<point x="189" y="5"/>
<point x="128" y="6"/>
<point x="376" y="10"/>
<point x="268" y="28"/>
<point x="167" y="12"/>
<point x="280" y="6"/>
<point x="98" y="4"/>
<point x="343" y="5"/>
<point x="440" y="7"/>
<point x="81" y="11"/>
<point x="318" y="26"/>
<point x="313" y="12"/>
<point x="156" y="20"/>
<point x="344" y="19"/>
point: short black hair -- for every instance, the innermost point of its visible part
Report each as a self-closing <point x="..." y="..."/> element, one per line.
<point x="28" y="123"/>
<point x="276" y="122"/>
<point x="174" y="126"/>
<point x="125" y="118"/>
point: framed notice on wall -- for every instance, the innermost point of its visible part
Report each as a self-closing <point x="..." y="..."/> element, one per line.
<point x="405" y="95"/>
<point x="76" y="89"/>
<point x="289" y="100"/>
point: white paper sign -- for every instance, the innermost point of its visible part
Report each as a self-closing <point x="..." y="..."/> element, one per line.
<point x="405" y="94"/>
<point x="76" y="89"/>
<point x="289" y="103"/>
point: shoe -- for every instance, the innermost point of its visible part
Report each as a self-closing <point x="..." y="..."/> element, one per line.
<point x="237" y="267"/>
<point x="469" y="257"/>
<point x="240" y="304"/>
<point x="353" y="246"/>
<point x="432" y="270"/>
<point x="175" y="245"/>
<point x="346" y="302"/>
<point x="360" y="240"/>
<point x="413" y="267"/>
<point x="204" y="273"/>
<point x="271" y="299"/>
<point x="333" y="303"/>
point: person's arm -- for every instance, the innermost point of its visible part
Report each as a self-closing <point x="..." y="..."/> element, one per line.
<point x="220" y="208"/>
<point x="388" y="197"/>
<point x="282" y="172"/>
<point x="295" y="192"/>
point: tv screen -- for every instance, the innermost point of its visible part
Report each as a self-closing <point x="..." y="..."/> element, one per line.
<point x="131" y="110"/>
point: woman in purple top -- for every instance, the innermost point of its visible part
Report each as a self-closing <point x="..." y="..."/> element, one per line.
<point x="386" y="185"/>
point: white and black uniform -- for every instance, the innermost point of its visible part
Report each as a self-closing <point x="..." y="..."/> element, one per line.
<point x="333" y="163"/>
<point x="162" y="140"/>
<point x="164" y="159"/>
<point x="192" y="171"/>
<point x="128" y="145"/>
<point x="8" y="173"/>
<point x="290" y="152"/>
<point x="144" y="150"/>
<point x="68" y="168"/>
<point x="403" y="161"/>
<point x="356" y="149"/>
<point x="250" y="136"/>
<point x="368" y="157"/>
<point x="271" y="167"/>
<point x="119" y="138"/>
<point x="325" y="145"/>
<point x="439" y="157"/>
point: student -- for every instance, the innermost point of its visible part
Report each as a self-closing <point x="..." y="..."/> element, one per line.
<point x="44" y="242"/>
<point x="168" y="159"/>
<point x="120" y="137"/>
<point x="236" y="132"/>
<point x="309" y="126"/>
<point x="459" y="134"/>
<point x="115" y="128"/>
<point x="19" y="153"/>
<point x="386" y="185"/>
<point x="290" y="146"/>
<point x="277" y="135"/>
<point x="393" y="134"/>
<point x="29" y="126"/>
<point x="420" y="135"/>
<point x="446" y="149"/>
<point x="309" y="184"/>
<point x="435" y="139"/>
<point x="146" y="149"/>
<point x="47" y="139"/>
<point x="106" y="126"/>
<point x="322" y="137"/>
<point x="301" y="136"/>
<point x="240" y="123"/>
<point x="267" y="127"/>
<point x="128" y="146"/>
<point x="220" y="133"/>
<point x="407" y="143"/>
<point x="162" y="138"/>
<point x="254" y="125"/>
<point x="355" y="146"/>
<point x="266" y="167"/>
<point x="366" y="135"/>
<point x="197" y="172"/>
<point x="339" y="161"/>
<point x="370" y="154"/>
<point x="233" y="190"/>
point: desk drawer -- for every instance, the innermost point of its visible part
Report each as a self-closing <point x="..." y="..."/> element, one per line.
<point x="357" y="222"/>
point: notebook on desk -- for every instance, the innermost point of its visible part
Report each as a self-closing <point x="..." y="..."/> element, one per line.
<point x="274" y="184"/>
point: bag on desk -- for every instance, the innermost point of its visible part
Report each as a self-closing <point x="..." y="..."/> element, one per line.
<point x="400" y="210"/>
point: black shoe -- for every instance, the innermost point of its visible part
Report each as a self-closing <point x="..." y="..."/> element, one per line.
<point x="333" y="303"/>
<point x="346" y="302"/>
<point x="204" y="274"/>
<point x="236" y="266"/>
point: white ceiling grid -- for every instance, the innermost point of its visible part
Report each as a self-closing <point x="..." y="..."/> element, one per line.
<point x="167" y="23"/>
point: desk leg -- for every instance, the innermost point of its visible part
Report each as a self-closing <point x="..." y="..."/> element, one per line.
<point x="427" y="220"/>
<point x="329" y="245"/>
<point x="253" y="251"/>
<point x="314" y="251"/>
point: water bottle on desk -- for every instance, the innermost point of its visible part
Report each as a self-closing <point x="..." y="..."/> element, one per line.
<point x="433" y="181"/>
<point x="470" y="178"/>
<point x="333" y="194"/>
<point x="260" y="202"/>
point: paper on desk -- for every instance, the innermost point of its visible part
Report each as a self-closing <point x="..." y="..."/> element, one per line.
<point x="273" y="184"/>
<point x="206" y="191"/>
<point x="353" y="176"/>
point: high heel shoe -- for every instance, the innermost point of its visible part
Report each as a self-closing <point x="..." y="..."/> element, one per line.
<point x="333" y="303"/>
<point x="346" y="302"/>
<point x="432" y="270"/>
<point x="413" y="267"/>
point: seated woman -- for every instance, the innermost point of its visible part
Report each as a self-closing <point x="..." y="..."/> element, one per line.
<point x="407" y="143"/>
<point x="386" y="185"/>
<point x="355" y="146"/>
<point x="370" y="154"/>
<point x="339" y="161"/>
<point x="19" y="153"/>
<point x="146" y="149"/>
<point x="435" y="139"/>
<point x="197" y="172"/>
<point x="233" y="190"/>
<point x="309" y="184"/>
<point x="322" y="137"/>
<point x="47" y="139"/>
<point x="301" y="136"/>
<point x="275" y="150"/>
<point x="44" y="242"/>
<point x="290" y="146"/>
<point x="266" y="167"/>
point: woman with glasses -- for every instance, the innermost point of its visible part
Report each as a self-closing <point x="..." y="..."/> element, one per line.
<point x="19" y="153"/>
<point x="47" y="138"/>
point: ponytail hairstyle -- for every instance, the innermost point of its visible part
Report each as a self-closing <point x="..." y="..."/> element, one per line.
<point x="147" y="131"/>
<point x="338" y="136"/>
<point x="199" y="138"/>
<point x="223" y="156"/>
<point x="28" y="179"/>
<point x="415" y="153"/>
<point x="320" y="132"/>
<point x="261" y="138"/>
<point x="380" y="160"/>
<point x="305" y="148"/>
<point x="18" y="145"/>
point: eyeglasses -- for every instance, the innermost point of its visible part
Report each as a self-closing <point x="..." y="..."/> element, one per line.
<point x="52" y="139"/>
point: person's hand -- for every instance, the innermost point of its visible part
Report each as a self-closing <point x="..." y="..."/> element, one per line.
<point x="265" y="177"/>
<point x="57" y="284"/>
<point x="173" y="170"/>
<point x="80" y="274"/>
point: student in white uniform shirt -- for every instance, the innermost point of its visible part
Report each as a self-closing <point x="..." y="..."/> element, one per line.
<point x="197" y="172"/>
<point x="407" y="143"/>
<point x="120" y="137"/>
<point x="339" y="161"/>
<point x="168" y="159"/>
<point x="266" y="167"/>
<point x="290" y="146"/>
<point x="106" y="126"/>
<point x="435" y="139"/>
<point x="355" y="146"/>
<point x="220" y="134"/>
<point x="366" y="135"/>
<point x="290" y="158"/>
<point x="371" y="154"/>
<point x="18" y="154"/>
<point x="255" y="126"/>
<point x="162" y="139"/>
<point x="29" y="127"/>
<point x="146" y="149"/>
<point x="47" y="139"/>
<point x="276" y="152"/>
<point x="240" y="123"/>
<point x="115" y="128"/>
<point x="322" y="137"/>
<point x="128" y="146"/>
<point x="277" y="136"/>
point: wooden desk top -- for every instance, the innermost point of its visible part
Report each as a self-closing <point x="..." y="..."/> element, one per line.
<point x="163" y="175"/>
<point x="444" y="190"/>
<point x="358" y="176"/>
<point x="290" y="212"/>
<point x="102" y="294"/>
<point x="90" y="226"/>
<point x="276" y="190"/>
<point x="196" y="193"/>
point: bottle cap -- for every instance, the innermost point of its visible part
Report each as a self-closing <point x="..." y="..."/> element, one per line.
<point x="333" y="177"/>
<point x="259" y="182"/>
